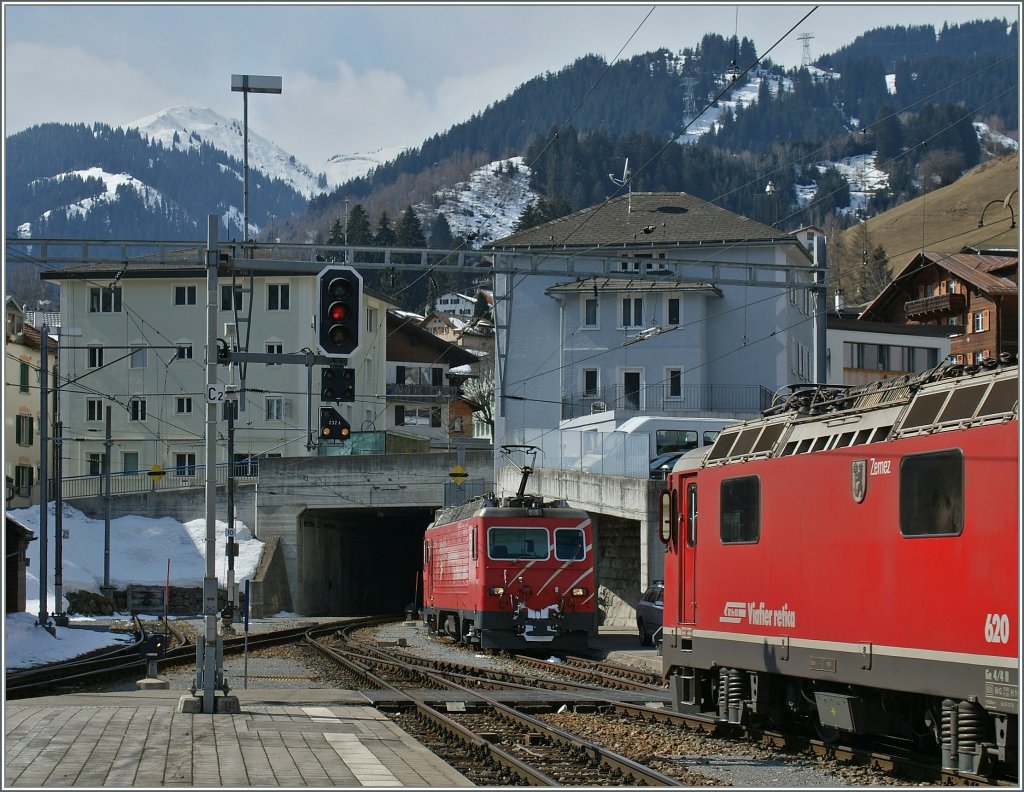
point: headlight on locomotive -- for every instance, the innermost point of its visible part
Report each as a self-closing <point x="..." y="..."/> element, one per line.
<point x="579" y="591"/>
<point x="497" y="591"/>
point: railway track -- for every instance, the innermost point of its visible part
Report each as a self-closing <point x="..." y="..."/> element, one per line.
<point x="602" y="724"/>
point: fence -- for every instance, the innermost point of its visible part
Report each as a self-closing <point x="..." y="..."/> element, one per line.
<point x="608" y="453"/>
<point x="143" y="481"/>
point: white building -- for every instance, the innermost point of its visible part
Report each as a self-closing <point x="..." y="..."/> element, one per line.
<point x="668" y="305"/>
<point x="142" y="353"/>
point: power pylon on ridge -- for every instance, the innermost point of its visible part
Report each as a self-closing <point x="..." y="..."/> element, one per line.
<point x="806" y="39"/>
<point x="689" y="100"/>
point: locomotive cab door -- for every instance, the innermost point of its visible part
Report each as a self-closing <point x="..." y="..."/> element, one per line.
<point x="687" y="539"/>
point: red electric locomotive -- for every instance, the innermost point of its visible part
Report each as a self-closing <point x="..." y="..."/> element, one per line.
<point x="515" y="574"/>
<point x="851" y="560"/>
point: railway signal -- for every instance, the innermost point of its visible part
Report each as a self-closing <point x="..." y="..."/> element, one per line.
<point x="337" y="384"/>
<point x="332" y="425"/>
<point x="340" y="298"/>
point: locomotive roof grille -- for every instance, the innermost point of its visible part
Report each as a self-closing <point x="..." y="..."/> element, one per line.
<point x="475" y="506"/>
<point x="818" y="418"/>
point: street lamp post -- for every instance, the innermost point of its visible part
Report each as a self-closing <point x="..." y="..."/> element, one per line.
<point x="247" y="84"/>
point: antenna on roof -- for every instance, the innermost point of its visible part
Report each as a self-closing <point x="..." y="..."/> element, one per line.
<point x="625" y="181"/>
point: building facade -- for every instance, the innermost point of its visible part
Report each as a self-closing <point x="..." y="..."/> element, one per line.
<point x="140" y="353"/>
<point x="422" y="388"/>
<point x="696" y="311"/>
<point x="971" y="295"/>
<point x="22" y="449"/>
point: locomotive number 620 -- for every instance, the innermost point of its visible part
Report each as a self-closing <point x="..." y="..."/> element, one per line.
<point x="997" y="628"/>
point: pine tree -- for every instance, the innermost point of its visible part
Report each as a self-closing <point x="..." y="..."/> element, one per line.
<point x="359" y="232"/>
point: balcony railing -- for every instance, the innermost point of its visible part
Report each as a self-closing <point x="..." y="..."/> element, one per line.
<point x="936" y="307"/>
<point x="434" y="392"/>
<point x="659" y="399"/>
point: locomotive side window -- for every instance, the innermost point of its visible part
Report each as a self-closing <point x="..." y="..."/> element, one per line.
<point x="932" y="494"/>
<point x="569" y="544"/>
<point x="511" y="544"/>
<point x="740" y="510"/>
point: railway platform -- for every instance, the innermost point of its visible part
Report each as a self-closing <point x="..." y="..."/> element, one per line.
<point x="281" y="738"/>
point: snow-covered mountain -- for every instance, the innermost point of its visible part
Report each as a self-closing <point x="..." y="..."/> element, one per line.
<point x="188" y="127"/>
<point x="485" y="207"/>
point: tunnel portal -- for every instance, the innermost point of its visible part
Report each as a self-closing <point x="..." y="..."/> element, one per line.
<point x="360" y="562"/>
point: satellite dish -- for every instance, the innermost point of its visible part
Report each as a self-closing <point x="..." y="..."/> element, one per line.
<point x="625" y="175"/>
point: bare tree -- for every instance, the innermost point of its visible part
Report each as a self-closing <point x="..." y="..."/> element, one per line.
<point x="479" y="392"/>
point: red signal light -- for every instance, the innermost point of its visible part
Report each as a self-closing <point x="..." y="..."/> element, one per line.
<point x="338" y="311"/>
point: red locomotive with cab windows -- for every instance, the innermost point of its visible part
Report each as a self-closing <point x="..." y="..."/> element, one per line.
<point x="515" y="574"/>
<point x="850" y="560"/>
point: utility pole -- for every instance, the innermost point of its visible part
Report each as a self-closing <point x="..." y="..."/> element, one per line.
<point x="108" y="592"/>
<point x="60" y="617"/>
<point x="44" y="495"/>
<point x="820" y="292"/>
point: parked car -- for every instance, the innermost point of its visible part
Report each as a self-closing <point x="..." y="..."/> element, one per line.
<point x="648" y="614"/>
<point x="661" y="466"/>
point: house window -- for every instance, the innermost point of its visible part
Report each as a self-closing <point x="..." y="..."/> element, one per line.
<point x="226" y="303"/>
<point x="632" y="311"/>
<point x="590" y="312"/>
<point x="675" y="383"/>
<point x="138" y="357"/>
<point x="138" y="409"/>
<point x="274" y="348"/>
<point x="980" y="321"/>
<point x="184" y="295"/>
<point x="23" y="378"/>
<point x="23" y="430"/>
<point x="590" y="382"/>
<point x="24" y="479"/>
<point x="184" y="351"/>
<point x="673" y="311"/>
<point x="277" y="297"/>
<point x="94" y="461"/>
<point x="95" y="356"/>
<point x="184" y="405"/>
<point x="371" y="319"/>
<point x="185" y="464"/>
<point x="94" y="409"/>
<point x="274" y="408"/>
<point x="105" y="300"/>
<point x="130" y="461"/>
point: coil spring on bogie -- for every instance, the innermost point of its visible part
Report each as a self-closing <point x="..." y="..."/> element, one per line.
<point x="969" y="727"/>
<point x="948" y="737"/>
<point x="731" y="690"/>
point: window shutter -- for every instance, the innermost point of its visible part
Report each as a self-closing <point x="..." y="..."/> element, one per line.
<point x="399" y="415"/>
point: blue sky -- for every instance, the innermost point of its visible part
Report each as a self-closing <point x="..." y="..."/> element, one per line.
<point x="360" y="78"/>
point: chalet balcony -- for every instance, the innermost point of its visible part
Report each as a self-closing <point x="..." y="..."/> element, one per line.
<point x="444" y="393"/>
<point x="937" y="307"/>
<point x="741" y="400"/>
